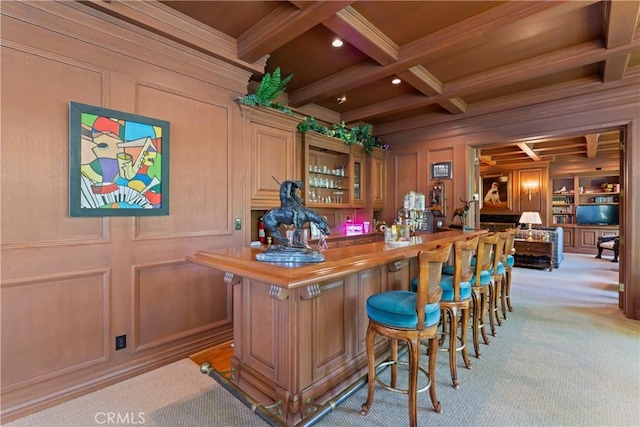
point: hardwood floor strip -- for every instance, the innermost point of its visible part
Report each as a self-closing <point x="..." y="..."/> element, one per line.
<point x="219" y="356"/>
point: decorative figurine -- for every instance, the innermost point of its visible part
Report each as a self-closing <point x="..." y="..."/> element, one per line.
<point x="461" y="212"/>
<point x="291" y="212"/>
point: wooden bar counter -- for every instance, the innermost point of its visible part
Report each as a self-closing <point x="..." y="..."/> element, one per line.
<point x="299" y="331"/>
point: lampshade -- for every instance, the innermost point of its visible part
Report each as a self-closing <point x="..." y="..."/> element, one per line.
<point x="530" y="218"/>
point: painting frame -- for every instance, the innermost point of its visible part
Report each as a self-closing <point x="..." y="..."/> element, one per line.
<point x="441" y="170"/>
<point x="118" y="163"/>
<point x="496" y="191"/>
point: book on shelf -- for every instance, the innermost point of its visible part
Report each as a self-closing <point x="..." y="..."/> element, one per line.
<point x="562" y="219"/>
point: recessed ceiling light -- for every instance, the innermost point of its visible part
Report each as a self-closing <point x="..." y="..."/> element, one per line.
<point x="342" y="99"/>
<point x="396" y="81"/>
<point x="337" y="43"/>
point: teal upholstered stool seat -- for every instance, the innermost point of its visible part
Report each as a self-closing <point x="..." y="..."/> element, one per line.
<point x="447" y="289"/>
<point x="398" y="309"/>
<point x="501" y="269"/>
<point x="510" y="260"/>
<point x="485" y="279"/>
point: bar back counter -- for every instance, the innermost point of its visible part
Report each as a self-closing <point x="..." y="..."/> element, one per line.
<point x="299" y="330"/>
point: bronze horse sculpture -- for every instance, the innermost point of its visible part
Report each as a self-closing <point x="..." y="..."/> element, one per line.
<point x="297" y="216"/>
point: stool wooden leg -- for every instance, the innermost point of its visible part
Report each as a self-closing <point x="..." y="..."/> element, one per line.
<point x="508" y="296"/>
<point x="498" y="297"/>
<point x="433" y="355"/>
<point x="453" y="344"/>
<point x="394" y="366"/>
<point x="464" y="327"/>
<point x="504" y="295"/>
<point x="371" y="377"/>
<point x="482" y="326"/>
<point x="479" y="306"/>
<point x="414" y="360"/>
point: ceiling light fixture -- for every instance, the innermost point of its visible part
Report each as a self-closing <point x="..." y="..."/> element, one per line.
<point x="337" y="43"/>
<point x="342" y="99"/>
<point x="396" y="81"/>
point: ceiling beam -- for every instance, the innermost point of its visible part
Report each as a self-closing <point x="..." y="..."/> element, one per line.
<point x="528" y="151"/>
<point x="487" y="160"/>
<point x="351" y="26"/>
<point x="419" y="51"/>
<point x="550" y="63"/>
<point x="621" y="22"/>
<point x="174" y="25"/>
<point x="283" y="25"/>
<point x="578" y="87"/>
<point x="425" y="82"/>
<point x="592" y="145"/>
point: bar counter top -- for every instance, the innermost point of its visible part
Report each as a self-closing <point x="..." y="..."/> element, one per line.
<point x="338" y="261"/>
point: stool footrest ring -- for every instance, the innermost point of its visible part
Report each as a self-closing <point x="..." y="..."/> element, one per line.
<point x="386" y="386"/>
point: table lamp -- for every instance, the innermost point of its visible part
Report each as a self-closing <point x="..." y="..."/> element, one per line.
<point x="530" y="218"/>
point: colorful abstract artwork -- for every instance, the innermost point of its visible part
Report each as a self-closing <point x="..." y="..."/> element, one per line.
<point x="118" y="163"/>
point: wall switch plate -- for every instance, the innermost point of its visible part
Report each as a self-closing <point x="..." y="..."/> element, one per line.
<point x="238" y="224"/>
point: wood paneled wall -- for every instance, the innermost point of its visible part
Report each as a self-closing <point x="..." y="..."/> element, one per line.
<point x="71" y="285"/>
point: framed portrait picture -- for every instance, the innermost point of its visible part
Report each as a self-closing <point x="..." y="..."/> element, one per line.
<point x="118" y="163"/>
<point x="496" y="192"/>
<point x="441" y="170"/>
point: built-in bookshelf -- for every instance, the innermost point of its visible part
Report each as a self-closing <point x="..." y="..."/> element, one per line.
<point x="570" y="192"/>
<point x="563" y="209"/>
<point x="563" y="206"/>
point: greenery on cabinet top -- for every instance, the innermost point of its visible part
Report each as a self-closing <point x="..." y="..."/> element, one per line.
<point x="273" y="85"/>
<point x="359" y="134"/>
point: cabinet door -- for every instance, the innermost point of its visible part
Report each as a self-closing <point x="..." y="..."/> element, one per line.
<point x="358" y="173"/>
<point x="272" y="156"/>
<point x="378" y="180"/>
<point x="567" y="237"/>
<point x="326" y="163"/>
<point x="271" y="152"/>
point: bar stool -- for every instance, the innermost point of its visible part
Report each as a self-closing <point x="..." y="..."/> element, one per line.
<point x="411" y="317"/>
<point x="497" y="272"/>
<point x="480" y="285"/>
<point x="456" y="298"/>
<point x="508" y="260"/>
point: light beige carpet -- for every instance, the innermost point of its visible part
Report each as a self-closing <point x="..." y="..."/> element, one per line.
<point x="565" y="357"/>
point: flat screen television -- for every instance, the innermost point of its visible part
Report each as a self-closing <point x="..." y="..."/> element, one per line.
<point x="597" y="215"/>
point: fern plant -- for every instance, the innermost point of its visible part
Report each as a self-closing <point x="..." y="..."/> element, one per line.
<point x="271" y="87"/>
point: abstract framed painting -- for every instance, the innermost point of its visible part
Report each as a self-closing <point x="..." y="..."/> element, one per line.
<point x="118" y="163"/>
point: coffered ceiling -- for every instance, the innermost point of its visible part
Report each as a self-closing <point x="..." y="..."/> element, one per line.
<point x="454" y="58"/>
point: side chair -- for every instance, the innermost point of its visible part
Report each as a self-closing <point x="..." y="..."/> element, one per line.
<point x="411" y="317"/>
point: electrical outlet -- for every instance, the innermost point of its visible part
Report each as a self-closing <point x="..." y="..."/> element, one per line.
<point x="238" y="224"/>
<point x="121" y="342"/>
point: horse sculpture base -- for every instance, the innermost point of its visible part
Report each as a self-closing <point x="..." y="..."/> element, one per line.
<point x="288" y="254"/>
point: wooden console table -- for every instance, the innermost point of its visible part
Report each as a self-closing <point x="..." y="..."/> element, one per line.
<point x="533" y="254"/>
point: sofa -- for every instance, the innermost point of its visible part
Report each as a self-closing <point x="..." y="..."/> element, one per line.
<point x="556" y="235"/>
